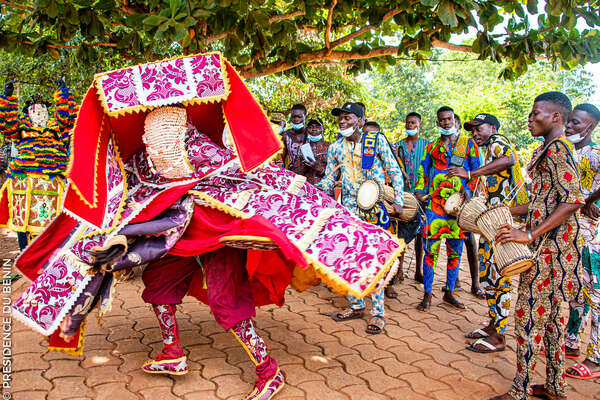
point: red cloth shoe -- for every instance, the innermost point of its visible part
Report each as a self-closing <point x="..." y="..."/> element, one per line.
<point x="171" y="361"/>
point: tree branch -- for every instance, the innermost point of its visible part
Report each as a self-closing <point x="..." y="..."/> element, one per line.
<point x="362" y="30"/>
<point x="324" y="55"/>
<point x="272" y="20"/>
<point x="329" y="21"/>
<point x="61" y="46"/>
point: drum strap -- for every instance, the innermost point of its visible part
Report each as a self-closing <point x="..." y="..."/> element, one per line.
<point x="459" y="152"/>
<point x="369" y="149"/>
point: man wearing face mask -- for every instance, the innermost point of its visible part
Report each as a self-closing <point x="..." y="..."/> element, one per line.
<point x="356" y="158"/>
<point x="294" y="137"/>
<point x="503" y="184"/>
<point x="313" y="154"/>
<point x="581" y="124"/>
<point x="410" y="151"/>
<point x="33" y="193"/>
<point x="433" y="188"/>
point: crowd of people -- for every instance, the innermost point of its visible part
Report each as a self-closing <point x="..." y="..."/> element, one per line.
<point x="199" y="206"/>
<point x="555" y="198"/>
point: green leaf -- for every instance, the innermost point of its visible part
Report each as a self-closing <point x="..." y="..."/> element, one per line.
<point x="52" y="9"/>
<point x="53" y="53"/>
<point x="447" y="13"/>
<point x="105" y="5"/>
<point x="154" y="20"/>
<point x="174" y="6"/>
<point x="532" y="6"/>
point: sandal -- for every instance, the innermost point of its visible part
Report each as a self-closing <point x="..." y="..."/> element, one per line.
<point x="479" y="293"/>
<point x="390" y="293"/>
<point x="347" y="315"/>
<point x="454" y="302"/>
<point x="476" y="334"/>
<point x="376" y="325"/>
<point x="487" y="347"/>
<point x="582" y="371"/>
<point x="424" y="306"/>
<point x="541" y="392"/>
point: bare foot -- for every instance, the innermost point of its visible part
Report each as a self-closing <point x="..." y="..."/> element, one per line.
<point x="571" y="352"/>
<point x="419" y="278"/>
<point x="453" y="301"/>
<point x="425" y="303"/>
<point x="540" y="391"/>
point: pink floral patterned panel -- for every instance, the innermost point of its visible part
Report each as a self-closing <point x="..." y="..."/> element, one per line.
<point x="163" y="82"/>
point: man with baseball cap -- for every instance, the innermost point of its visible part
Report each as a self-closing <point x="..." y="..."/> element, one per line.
<point x="355" y="158"/>
<point x="313" y="154"/>
<point x="504" y="184"/>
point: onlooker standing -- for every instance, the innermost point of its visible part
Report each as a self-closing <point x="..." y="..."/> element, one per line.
<point x="582" y="122"/>
<point x="294" y="137"/>
<point x="410" y="151"/>
<point x="311" y="163"/>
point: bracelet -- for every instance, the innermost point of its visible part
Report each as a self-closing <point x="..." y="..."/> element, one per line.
<point x="530" y="236"/>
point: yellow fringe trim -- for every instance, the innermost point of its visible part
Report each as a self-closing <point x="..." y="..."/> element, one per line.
<point x="336" y="283"/>
<point x="245" y="237"/>
<point x="79" y="349"/>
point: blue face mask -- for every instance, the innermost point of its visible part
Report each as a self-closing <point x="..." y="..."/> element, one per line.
<point x="447" y="132"/>
<point x="315" y="138"/>
<point x="297" y="127"/>
<point x="412" y="132"/>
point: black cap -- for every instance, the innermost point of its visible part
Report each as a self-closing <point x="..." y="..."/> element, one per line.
<point x="315" y="120"/>
<point x="349" y="107"/>
<point x="482" y="118"/>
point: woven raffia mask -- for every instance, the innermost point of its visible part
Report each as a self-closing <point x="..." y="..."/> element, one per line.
<point x="164" y="136"/>
<point x="38" y="114"/>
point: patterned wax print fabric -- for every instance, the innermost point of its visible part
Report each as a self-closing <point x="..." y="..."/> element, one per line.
<point x="292" y="142"/>
<point x="313" y="173"/>
<point x="411" y="159"/>
<point x="588" y="160"/>
<point x="505" y="187"/>
<point x="345" y="160"/>
<point x="434" y="182"/>
<point x="556" y="276"/>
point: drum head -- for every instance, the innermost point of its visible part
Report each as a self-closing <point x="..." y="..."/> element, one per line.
<point x="368" y="195"/>
<point x="517" y="267"/>
<point x="453" y="204"/>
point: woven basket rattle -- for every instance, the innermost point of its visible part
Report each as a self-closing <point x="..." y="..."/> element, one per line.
<point x="511" y="258"/>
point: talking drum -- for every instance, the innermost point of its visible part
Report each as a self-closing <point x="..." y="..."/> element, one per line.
<point x="368" y="197"/>
<point x="410" y="209"/>
<point x="512" y="258"/>
<point x="453" y="204"/>
<point x="468" y="214"/>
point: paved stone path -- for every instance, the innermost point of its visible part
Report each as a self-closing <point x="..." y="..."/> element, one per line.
<point x="420" y="356"/>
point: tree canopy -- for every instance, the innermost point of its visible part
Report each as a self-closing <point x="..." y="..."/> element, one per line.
<point x="265" y="37"/>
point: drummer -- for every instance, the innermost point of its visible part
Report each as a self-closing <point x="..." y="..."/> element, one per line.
<point x="352" y="160"/>
<point x="553" y="230"/>
<point x="503" y="184"/>
<point x="433" y="188"/>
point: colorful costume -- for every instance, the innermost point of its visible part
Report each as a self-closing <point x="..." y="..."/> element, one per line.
<point x="32" y="195"/>
<point x="555" y="277"/>
<point x="411" y="159"/>
<point x="505" y="187"/>
<point x="292" y="142"/>
<point x="346" y="160"/>
<point x="439" y="225"/>
<point x="588" y="159"/>
<point x="209" y="221"/>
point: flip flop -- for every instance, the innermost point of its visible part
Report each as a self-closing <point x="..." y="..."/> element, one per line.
<point x="347" y="315"/>
<point x="476" y="334"/>
<point x="375" y="326"/>
<point x="454" y="303"/>
<point x="490" y="347"/>
<point x="583" y="372"/>
<point x="479" y="293"/>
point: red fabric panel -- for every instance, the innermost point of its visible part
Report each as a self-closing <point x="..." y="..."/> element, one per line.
<point x="39" y="251"/>
<point x="254" y="138"/>
<point x="270" y="272"/>
<point x="162" y="202"/>
<point x="4" y="214"/>
<point x="91" y="126"/>
<point x="57" y="343"/>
